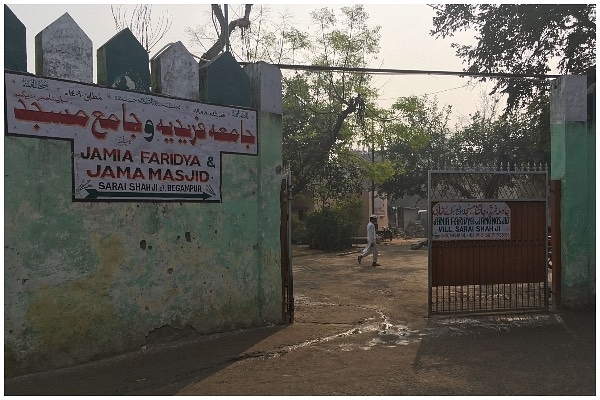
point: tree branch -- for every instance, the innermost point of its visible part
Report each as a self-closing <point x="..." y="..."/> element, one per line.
<point x="326" y="147"/>
<point x="224" y="35"/>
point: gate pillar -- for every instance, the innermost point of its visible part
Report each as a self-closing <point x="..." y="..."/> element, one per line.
<point x="573" y="163"/>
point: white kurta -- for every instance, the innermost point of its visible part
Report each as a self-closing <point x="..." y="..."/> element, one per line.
<point x="371" y="246"/>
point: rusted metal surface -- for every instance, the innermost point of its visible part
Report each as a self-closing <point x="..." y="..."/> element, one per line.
<point x="287" y="286"/>
<point x="555" y="193"/>
<point x="484" y="262"/>
<point x="492" y="275"/>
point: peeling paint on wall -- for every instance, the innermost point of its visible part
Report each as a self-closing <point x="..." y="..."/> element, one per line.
<point x="86" y="280"/>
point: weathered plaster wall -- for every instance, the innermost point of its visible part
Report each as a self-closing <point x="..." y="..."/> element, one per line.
<point x="83" y="280"/>
<point x="87" y="279"/>
<point x="573" y="163"/>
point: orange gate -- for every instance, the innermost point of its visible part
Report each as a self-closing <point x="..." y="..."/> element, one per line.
<point x="488" y="241"/>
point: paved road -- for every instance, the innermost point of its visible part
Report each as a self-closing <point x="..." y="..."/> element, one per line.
<point x="358" y="331"/>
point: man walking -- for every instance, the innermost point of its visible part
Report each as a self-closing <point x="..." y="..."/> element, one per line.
<point x="371" y="247"/>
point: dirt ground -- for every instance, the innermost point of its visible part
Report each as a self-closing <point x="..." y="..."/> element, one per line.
<point x="358" y="330"/>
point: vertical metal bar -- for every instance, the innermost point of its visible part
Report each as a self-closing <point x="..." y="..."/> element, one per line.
<point x="471" y="279"/>
<point x="546" y="292"/>
<point x="289" y="246"/>
<point x="555" y="238"/>
<point x="509" y="259"/>
<point x="226" y="7"/>
<point x="429" y="246"/>
<point x="527" y="242"/>
<point x="284" y="257"/>
<point x="477" y="264"/>
<point x="462" y="297"/>
<point x="492" y="306"/>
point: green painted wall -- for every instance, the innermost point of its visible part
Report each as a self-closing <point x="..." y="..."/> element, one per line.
<point x="573" y="163"/>
<point x="83" y="280"/>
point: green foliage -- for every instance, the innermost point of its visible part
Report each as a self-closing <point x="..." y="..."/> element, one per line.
<point x="505" y="141"/>
<point x="333" y="227"/>
<point x="523" y="39"/>
<point x="318" y="125"/>
<point x="342" y="175"/>
<point x="417" y="140"/>
<point x="420" y="140"/>
<point x="299" y="231"/>
<point x="379" y="172"/>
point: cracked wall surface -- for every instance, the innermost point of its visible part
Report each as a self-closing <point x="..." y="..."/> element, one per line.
<point x="84" y="280"/>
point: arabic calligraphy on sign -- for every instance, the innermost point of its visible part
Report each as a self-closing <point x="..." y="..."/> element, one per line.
<point x="465" y="221"/>
<point x="130" y="146"/>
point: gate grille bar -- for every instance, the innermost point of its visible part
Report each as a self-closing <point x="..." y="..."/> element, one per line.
<point x="485" y="298"/>
<point x="476" y="274"/>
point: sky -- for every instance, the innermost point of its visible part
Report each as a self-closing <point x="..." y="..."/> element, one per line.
<point x="405" y="44"/>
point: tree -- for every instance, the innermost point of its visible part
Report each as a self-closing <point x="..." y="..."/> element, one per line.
<point x="260" y="37"/>
<point x="505" y="141"/>
<point x="416" y="140"/>
<point x="319" y="132"/>
<point x="523" y="39"/>
<point x="148" y="30"/>
<point x="225" y="30"/>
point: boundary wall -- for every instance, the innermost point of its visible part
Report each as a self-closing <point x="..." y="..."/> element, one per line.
<point x="88" y="279"/>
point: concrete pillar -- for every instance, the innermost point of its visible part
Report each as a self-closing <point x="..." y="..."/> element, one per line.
<point x="573" y="154"/>
<point x="266" y="95"/>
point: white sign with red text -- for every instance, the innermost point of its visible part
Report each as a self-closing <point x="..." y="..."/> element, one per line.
<point x="131" y="146"/>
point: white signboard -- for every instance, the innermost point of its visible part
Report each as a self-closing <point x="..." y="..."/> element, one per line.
<point x="131" y="146"/>
<point x="380" y="206"/>
<point x="479" y="221"/>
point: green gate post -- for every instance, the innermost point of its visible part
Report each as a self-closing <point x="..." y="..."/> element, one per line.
<point x="573" y="163"/>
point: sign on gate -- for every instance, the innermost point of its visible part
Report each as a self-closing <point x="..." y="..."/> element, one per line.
<point x="131" y="146"/>
<point x="470" y="220"/>
<point x="488" y="248"/>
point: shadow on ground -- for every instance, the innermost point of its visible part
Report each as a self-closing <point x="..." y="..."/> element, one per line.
<point x="520" y="354"/>
<point x="359" y="330"/>
<point x="139" y="373"/>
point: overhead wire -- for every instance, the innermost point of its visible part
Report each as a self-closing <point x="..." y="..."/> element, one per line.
<point x="392" y="71"/>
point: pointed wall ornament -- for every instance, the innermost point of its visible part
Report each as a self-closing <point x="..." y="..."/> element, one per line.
<point x="63" y="50"/>
<point x="15" y="43"/>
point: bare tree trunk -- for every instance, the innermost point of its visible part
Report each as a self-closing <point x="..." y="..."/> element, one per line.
<point x="318" y="159"/>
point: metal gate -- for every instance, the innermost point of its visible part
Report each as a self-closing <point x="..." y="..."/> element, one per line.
<point x="287" y="278"/>
<point x="488" y="241"/>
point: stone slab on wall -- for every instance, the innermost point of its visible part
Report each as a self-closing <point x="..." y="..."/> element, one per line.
<point x="123" y="63"/>
<point x="175" y="73"/>
<point x="15" y="53"/>
<point x="223" y="81"/>
<point x="63" y="50"/>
